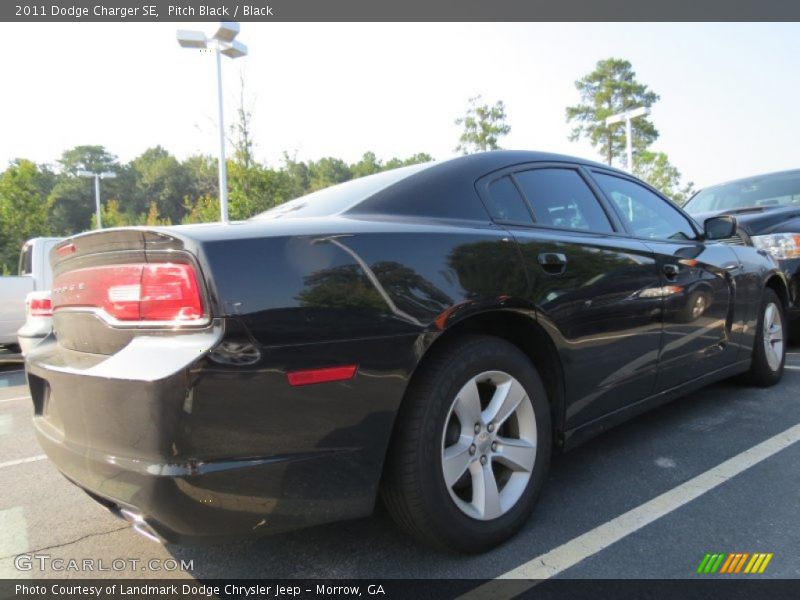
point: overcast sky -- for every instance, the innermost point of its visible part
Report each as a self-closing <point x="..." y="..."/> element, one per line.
<point x="730" y="93"/>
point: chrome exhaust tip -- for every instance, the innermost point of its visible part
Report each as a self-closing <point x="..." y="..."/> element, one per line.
<point x="140" y="526"/>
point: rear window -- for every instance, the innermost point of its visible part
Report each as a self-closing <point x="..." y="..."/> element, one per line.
<point x="336" y="199"/>
<point x="774" y="190"/>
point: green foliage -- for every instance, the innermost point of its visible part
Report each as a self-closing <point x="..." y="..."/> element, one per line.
<point x="395" y="163"/>
<point x="483" y="125"/>
<point x="72" y="203"/>
<point x="88" y="158"/>
<point x="155" y="189"/>
<point x="204" y="210"/>
<point x="326" y="172"/>
<point x="24" y="188"/>
<point x="608" y="90"/>
<point x="368" y="165"/>
<point x="158" y="177"/>
<point x="655" y="169"/>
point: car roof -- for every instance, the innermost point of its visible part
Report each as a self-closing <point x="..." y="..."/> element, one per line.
<point x="484" y="162"/>
<point x="754" y="177"/>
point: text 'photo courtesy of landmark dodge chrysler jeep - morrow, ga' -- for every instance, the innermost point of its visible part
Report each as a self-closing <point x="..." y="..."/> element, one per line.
<point x="426" y="336"/>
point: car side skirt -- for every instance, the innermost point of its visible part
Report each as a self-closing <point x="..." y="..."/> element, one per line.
<point x="583" y="433"/>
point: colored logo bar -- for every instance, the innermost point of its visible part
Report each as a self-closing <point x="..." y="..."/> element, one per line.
<point x="734" y="562"/>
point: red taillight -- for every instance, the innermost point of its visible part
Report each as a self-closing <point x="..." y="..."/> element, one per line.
<point x="321" y="375"/>
<point x="66" y="249"/>
<point x="40" y="307"/>
<point x="134" y="292"/>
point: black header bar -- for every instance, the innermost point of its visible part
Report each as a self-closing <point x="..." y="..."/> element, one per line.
<point x="399" y="10"/>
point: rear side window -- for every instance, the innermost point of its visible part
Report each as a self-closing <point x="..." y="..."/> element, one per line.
<point x="647" y="215"/>
<point x="505" y="202"/>
<point x="26" y="260"/>
<point x="561" y="198"/>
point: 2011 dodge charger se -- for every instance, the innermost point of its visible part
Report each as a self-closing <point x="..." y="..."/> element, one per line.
<point x="427" y="335"/>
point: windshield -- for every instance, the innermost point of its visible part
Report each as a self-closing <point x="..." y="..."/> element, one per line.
<point x="338" y="198"/>
<point x="770" y="190"/>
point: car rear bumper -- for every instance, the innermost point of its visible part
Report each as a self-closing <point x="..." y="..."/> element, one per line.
<point x="190" y="451"/>
<point x="32" y="333"/>
<point x="29" y="342"/>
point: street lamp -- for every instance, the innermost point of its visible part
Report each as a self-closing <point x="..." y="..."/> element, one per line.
<point x="97" y="178"/>
<point x="222" y="42"/>
<point x="628" y="116"/>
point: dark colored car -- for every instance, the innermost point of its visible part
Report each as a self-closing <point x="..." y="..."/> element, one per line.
<point x="767" y="208"/>
<point x="427" y="334"/>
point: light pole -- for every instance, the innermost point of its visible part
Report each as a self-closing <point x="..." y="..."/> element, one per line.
<point x="222" y="42"/>
<point x="97" y="178"/>
<point x="628" y="116"/>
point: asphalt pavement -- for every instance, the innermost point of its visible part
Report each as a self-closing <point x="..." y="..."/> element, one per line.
<point x="648" y="464"/>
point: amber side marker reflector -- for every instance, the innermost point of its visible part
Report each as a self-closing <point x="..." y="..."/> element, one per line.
<point x="68" y="249"/>
<point x="321" y="375"/>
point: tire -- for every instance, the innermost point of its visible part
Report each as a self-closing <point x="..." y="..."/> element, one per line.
<point x="769" y="350"/>
<point x="430" y="440"/>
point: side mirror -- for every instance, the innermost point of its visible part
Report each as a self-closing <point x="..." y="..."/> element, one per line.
<point x="720" y="228"/>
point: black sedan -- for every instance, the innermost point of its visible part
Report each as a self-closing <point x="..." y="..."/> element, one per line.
<point x="767" y="208"/>
<point x="427" y="335"/>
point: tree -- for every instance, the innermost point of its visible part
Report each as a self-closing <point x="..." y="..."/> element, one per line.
<point x="24" y="188"/>
<point x="72" y="201"/>
<point x="655" y="169"/>
<point x="368" y="165"/>
<point x="202" y="175"/>
<point x="204" y="210"/>
<point x="608" y="90"/>
<point x="88" y="158"/>
<point x="242" y="130"/>
<point x="298" y="174"/>
<point x="483" y="125"/>
<point x="160" y="178"/>
<point x="419" y="157"/>
<point x="326" y="172"/>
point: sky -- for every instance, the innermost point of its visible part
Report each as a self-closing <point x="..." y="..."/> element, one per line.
<point x="729" y="107"/>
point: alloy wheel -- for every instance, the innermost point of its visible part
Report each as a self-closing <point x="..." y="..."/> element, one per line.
<point x="489" y="445"/>
<point x="773" y="336"/>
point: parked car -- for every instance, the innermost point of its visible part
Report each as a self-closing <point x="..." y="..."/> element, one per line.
<point x="38" y="320"/>
<point x="767" y="208"/>
<point x="428" y="334"/>
<point x="34" y="274"/>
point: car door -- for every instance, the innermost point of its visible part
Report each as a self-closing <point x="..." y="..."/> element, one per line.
<point x="697" y="281"/>
<point x="586" y="278"/>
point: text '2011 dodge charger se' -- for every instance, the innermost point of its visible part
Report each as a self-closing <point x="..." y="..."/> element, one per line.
<point x="427" y="335"/>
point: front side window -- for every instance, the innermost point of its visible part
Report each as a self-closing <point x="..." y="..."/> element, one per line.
<point x="560" y="198"/>
<point x="647" y="215"/>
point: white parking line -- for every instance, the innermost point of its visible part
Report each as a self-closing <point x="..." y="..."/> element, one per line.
<point x="13" y="399"/>
<point x="791" y="367"/>
<point x="574" y="551"/>
<point x="22" y="461"/>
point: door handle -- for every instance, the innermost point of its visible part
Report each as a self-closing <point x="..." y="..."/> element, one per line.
<point x="554" y="263"/>
<point x="670" y="271"/>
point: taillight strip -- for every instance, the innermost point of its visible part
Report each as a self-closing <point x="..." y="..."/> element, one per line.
<point x="133" y="293"/>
